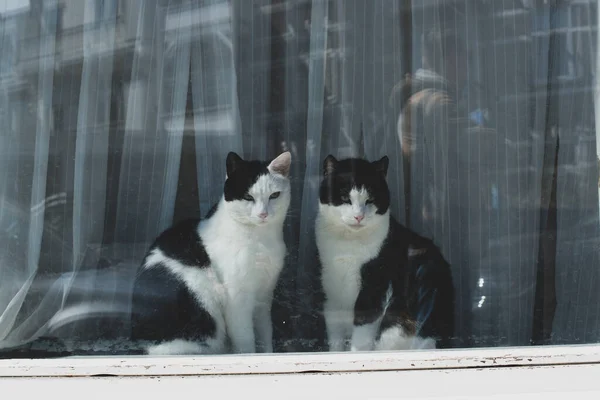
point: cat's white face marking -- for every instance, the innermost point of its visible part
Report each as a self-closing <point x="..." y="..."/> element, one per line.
<point x="270" y="199"/>
<point x="359" y="212"/>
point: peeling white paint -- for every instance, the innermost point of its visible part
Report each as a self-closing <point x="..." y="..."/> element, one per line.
<point x="511" y="383"/>
<point x="292" y="363"/>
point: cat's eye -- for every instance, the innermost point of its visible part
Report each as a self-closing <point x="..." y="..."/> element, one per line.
<point x="247" y="197"/>
<point x="345" y="199"/>
<point x="274" y="195"/>
<point x="370" y="200"/>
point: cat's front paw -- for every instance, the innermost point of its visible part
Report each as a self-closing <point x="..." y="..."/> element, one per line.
<point x="243" y="345"/>
<point x="361" y="346"/>
<point x="264" y="348"/>
<point x="337" y="345"/>
<point x="244" y="349"/>
<point x="363" y="337"/>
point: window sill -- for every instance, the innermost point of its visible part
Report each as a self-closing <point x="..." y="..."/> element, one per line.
<point x="292" y="363"/>
<point x="522" y="373"/>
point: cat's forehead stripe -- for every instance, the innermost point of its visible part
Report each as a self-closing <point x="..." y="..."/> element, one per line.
<point x="359" y="194"/>
<point x="359" y="191"/>
<point x="262" y="184"/>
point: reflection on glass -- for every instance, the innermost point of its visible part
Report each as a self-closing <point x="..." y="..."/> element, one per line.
<point x="118" y="117"/>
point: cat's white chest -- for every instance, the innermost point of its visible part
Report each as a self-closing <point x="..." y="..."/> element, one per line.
<point x="246" y="263"/>
<point x="342" y="260"/>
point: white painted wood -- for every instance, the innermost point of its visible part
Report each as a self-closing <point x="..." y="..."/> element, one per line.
<point x="510" y="383"/>
<point x="303" y="362"/>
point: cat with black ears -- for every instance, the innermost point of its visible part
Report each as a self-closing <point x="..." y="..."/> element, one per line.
<point x="370" y="266"/>
<point x="206" y="286"/>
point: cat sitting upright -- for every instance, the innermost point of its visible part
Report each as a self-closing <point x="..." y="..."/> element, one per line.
<point x="206" y="285"/>
<point x="370" y="294"/>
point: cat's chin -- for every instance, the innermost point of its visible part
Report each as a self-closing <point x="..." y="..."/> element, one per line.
<point x="252" y="222"/>
<point x="262" y="223"/>
<point x="355" y="227"/>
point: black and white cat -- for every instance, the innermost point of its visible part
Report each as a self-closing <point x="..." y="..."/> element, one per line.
<point x="364" y="253"/>
<point x="207" y="285"/>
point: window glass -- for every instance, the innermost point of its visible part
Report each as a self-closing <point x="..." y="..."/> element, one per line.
<point x="467" y="215"/>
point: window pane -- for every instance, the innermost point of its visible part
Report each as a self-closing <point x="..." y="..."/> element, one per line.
<point x="443" y="186"/>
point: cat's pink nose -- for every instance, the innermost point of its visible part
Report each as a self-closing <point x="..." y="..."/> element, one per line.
<point x="263" y="215"/>
<point x="359" y="218"/>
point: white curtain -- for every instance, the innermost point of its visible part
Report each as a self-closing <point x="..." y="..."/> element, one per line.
<point x="116" y="117"/>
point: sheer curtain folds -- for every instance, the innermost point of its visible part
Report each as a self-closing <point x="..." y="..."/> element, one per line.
<point x="117" y="117"/>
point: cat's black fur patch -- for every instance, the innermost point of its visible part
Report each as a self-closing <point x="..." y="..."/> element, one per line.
<point x="182" y="243"/>
<point x="410" y="278"/>
<point x="241" y="175"/>
<point x="164" y="309"/>
<point x="389" y="268"/>
<point x="340" y="176"/>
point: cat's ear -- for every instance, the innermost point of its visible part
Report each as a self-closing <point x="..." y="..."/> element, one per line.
<point x="329" y="165"/>
<point x="232" y="162"/>
<point x="382" y="164"/>
<point x="281" y="164"/>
